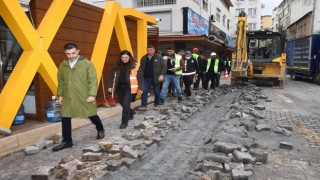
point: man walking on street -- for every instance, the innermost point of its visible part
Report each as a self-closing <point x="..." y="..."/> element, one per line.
<point x="77" y="91"/>
<point x="189" y="72"/>
<point x="153" y="68"/>
<point x="214" y="68"/>
<point x="175" y="64"/>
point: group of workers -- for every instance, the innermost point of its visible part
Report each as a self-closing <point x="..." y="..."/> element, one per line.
<point x="77" y="82"/>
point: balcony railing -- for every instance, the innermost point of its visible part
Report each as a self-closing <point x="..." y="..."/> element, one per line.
<point x="143" y="3"/>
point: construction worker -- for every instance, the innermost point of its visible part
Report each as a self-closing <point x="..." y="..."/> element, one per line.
<point x="227" y="64"/>
<point x="175" y="64"/>
<point x="189" y="72"/>
<point x="213" y="72"/>
<point x="202" y="66"/>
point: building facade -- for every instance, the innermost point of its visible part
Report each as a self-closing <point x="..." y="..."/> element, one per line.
<point x="184" y="24"/>
<point x="275" y="20"/>
<point x="253" y="10"/>
<point x="266" y="22"/>
<point x="298" y="22"/>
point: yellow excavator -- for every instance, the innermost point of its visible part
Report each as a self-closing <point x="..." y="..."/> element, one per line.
<point x="258" y="55"/>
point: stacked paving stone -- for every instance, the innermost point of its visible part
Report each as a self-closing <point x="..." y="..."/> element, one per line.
<point x="230" y="152"/>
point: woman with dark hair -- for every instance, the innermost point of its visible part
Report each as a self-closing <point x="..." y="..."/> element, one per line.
<point x="126" y="78"/>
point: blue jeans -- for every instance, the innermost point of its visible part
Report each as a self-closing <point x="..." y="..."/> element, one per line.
<point x="156" y="87"/>
<point x="167" y="80"/>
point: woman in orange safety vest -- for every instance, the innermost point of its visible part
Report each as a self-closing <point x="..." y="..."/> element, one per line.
<point x="126" y="78"/>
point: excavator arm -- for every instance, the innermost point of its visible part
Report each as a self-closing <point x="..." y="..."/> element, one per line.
<point x="240" y="62"/>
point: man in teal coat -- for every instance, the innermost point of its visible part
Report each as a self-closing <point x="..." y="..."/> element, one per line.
<point x="77" y="91"/>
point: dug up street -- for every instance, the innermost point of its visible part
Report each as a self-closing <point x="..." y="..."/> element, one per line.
<point x="240" y="131"/>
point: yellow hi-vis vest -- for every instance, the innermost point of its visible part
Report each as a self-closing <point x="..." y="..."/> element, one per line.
<point x="133" y="79"/>
<point x="177" y="64"/>
<point x="216" y="65"/>
<point x="195" y="56"/>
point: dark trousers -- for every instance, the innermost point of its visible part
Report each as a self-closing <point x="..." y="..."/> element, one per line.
<point x="125" y="98"/>
<point x="188" y="80"/>
<point x="214" y="78"/>
<point x="202" y="77"/>
<point x="67" y="128"/>
<point x="156" y="87"/>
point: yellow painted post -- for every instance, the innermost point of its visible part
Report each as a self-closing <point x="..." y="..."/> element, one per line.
<point x="35" y="56"/>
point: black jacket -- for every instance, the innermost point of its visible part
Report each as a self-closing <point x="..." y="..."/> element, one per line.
<point x="190" y="66"/>
<point x="220" y="66"/>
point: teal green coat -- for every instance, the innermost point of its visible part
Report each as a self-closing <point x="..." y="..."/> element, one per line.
<point x="75" y="86"/>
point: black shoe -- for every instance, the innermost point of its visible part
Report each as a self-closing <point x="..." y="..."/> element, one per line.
<point x="123" y="125"/>
<point x="62" y="146"/>
<point x="162" y="101"/>
<point x="179" y="99"/>
<point x="100" y="134"/>
<point x="131" y="117"/>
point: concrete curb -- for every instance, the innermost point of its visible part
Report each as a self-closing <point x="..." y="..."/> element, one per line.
<point x="19" y="141"/>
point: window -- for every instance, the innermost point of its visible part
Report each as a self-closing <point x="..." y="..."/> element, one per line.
<point x="252" y="11"/>
<point x="252" y="26"/>
<point x="264" y="48"/>
<point x="218" y="15"/>
<point x="142" y="3"/>
<point x="197" y="1"/>
<point x="205" y="5"/>
<point x="224" y="20"/>
<point x="238" y="11"/>
<point x="228" y="24"/>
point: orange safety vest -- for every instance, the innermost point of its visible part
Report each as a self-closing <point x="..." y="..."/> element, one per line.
<point x="133" y="79"/>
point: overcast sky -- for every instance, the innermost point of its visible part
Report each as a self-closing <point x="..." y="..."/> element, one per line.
<point x="269" y="6"/>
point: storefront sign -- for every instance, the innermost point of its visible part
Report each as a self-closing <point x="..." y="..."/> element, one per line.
<point x="193" y="23"/>
<point x="36" y="42"/>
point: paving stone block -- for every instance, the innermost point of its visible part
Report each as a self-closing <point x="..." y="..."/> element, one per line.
<point x="163" y="110"/>
<point x="90" y="156"/>
<point x="66" y="159"/>
<point x="114" y="156"/>
<point x="226" y="167"/>
<point x="146" y="134"/>
<point x="68" y="170"/>
<point x="42" y="173"/>
<point x="257" y="115"/>
<point x="282" y="131"/>
<point x="185" y="109"/>
<point x="114" y="165"/>
<point x="149" y="117"/>
<point x="128" y="162"/>
<point x="243" y="157"/>
<point x="105" y="145"/>
<point x="217" y="158"/>
<point x="129" y="153"/>
<point x="144" y="125"/>
<point x="214" y="175"/>
<point x="49" y="143"/>
<point x="286" y="145"/>
<point x="263" y="127"/>
<point x="241" y="175"/>
<point x="94" y="148"/>
<point x="114" y="149"/>
<point x="209" y="165"/>
<point x="41" y="143"/>
<point x="131" y="135"/>
<point x="141" y="153"/>
<point x="287" y="127"/>
<point x="138" y="145"/>
<point x="148" y="142"/>
<point x="226" y="147"/>
<point x="157" y="139"/>
<point x="249" y="125"/>
<point x="259" y="156"/>
<point x="268" y="100"/>
<point x="80" y="165"/>
<point x="260" y="108"/>
<point x="30" y="150"/>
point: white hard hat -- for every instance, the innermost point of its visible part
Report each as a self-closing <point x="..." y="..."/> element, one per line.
<point x="213" y="54"/>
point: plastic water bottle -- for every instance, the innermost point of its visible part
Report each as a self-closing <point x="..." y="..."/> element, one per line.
<point x="20" y="117"/>
<point x="53" y="110"/>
